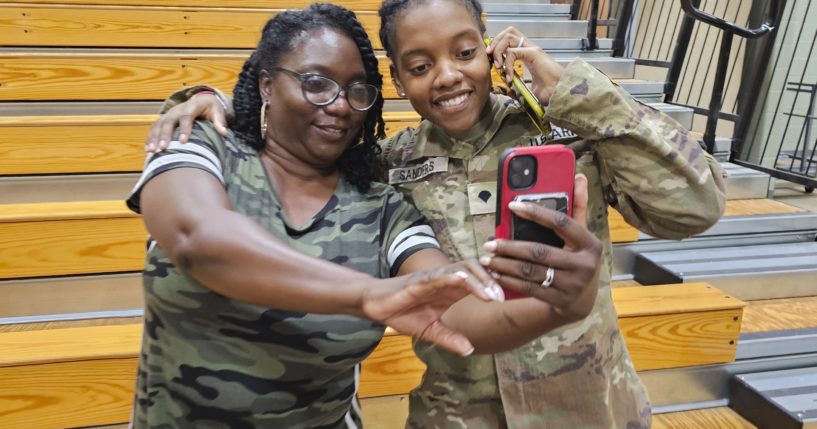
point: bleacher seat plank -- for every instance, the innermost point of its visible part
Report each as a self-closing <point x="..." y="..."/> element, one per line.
<point x="391" y="369"/>
<point x="758" y="207"/>
<point x="620" y="230"/>
<point x="655" y="320"/>
<point x="780" y="314"/>
<point x="67" y="394"/>
<point x="142" y="26"/>
<point x="385" y="412"/>
<point x="672" y="326"/>
<point x="720" y="418"/>
<point x="74" y="144"/>
<point x="78" y="76"/>
<point x="355" y="5"/>
<point x="69" y="345"/>
<point x="37" y="244"/>
<point x="95" y="144"/>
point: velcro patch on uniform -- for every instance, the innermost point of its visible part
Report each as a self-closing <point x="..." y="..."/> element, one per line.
<point x="482" y="197"/>
<point x="436" y="164"/>
<point x="558" y="133"/>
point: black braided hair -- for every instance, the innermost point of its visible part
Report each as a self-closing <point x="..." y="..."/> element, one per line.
<point x="360" y="164"/>
<point x="392" y="10"/>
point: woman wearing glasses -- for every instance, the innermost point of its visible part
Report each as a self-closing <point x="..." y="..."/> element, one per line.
<point x="245" y="326"/>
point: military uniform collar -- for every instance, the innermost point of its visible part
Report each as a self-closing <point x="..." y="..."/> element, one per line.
<point x="431" y="140"/>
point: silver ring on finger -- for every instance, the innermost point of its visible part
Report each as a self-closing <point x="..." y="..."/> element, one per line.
<point x="549" y="275"/>
<point x="521" y="41"/>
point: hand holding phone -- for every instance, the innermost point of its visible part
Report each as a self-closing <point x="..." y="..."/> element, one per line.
<point x="542" y="175"/>
<point x="530" y="103"/>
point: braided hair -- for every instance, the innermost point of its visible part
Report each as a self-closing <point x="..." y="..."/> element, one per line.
<point x="391" y="10"/>
<point x="359" y="164"/>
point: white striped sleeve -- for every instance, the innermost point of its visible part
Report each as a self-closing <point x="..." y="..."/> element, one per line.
<point x="409" y="241"/>
<point x="177" y="155"/>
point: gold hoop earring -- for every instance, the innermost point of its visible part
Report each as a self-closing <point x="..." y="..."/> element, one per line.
<point x="264" y="107"/>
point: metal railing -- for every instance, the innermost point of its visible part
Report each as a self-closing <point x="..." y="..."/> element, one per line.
<point x="684" y="36"/>
<point x="769" y="139"/>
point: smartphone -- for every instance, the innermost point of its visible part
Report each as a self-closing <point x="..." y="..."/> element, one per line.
<point x="530" y="103"/>
<point x="539" y="174"/>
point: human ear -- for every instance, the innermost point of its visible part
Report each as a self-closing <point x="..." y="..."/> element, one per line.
<point x="395" y="79"/>
<point x="264" y="82"/>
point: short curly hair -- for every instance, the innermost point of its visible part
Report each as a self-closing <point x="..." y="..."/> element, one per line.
<point x="360" y="164"/>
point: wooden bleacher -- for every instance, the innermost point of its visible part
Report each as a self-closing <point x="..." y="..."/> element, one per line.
<point x="83" y="376"/>
<point x="72" y="54"/>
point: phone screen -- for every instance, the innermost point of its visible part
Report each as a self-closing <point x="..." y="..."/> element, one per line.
<point x="523" y="229"/>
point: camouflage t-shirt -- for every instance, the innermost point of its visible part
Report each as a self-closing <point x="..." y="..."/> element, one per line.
<point x="208" y="361"/>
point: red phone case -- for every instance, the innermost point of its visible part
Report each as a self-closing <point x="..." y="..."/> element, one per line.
<point x="555" y="173"/>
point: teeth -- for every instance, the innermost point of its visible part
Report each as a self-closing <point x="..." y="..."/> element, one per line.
<point x="454" y="101"/>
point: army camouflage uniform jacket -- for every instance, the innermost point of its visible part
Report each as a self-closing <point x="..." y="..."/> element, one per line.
<point x="635" y="158"/>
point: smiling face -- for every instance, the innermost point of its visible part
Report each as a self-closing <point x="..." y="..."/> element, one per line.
<point x="315" y="135"/>
<point x="441" y="64"/>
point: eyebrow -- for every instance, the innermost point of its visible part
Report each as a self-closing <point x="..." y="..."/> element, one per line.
<point x="461" y="34"/>
<point x="325" y="71"/>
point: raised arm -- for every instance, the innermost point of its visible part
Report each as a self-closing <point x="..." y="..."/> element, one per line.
<point x="657" y="175"/>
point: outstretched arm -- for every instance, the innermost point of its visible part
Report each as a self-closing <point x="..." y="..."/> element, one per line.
<point x="521" y="266"/>
<point x="187" y="212"/>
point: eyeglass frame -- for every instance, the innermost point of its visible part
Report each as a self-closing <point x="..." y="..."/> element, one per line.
<point x="340" y="88"/>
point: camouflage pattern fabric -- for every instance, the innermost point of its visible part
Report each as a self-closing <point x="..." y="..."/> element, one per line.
<point x="208" y="361"/>
<point x="635" y="157"/>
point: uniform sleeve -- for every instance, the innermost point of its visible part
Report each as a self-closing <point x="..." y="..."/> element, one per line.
<point x="184" y="94"/>
<point x="203" y="151"/>
<point x="405" y="232"/>
<point x="662" y="181"/>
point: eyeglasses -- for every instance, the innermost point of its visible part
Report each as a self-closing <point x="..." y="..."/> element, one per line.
<point x="322" y="91"/>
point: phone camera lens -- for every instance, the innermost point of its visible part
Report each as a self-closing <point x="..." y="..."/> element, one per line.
<point x="522" y="172"/>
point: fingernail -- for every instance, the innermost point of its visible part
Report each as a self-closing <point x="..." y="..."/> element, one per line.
<point x="516" y="205"/>
<point x="461" y="275"/>
<point x="151" y="147"/>
<point x="182" y="137"/>
<point x="162" y="143"/>
<point x="485" y="260"/>
<point x="489" y="246"/>
<point x="495" y="275"/>
<point x="469" y="352"/>
<point x="498" y="292"/>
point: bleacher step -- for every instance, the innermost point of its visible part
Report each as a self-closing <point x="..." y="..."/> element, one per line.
<point x="63" y="298"/>
<point x="68" y="188"/>
<point x="70" y="238"/>
<point x="746" y="272"/>
<point x="494" y="9"/>
<point x="777" y="399"/>
<point x="553" y="44"/>
<point x="683" y="115"/>
<point x="665" y="327"/>
<point x="745" y="183"/>
<point x="537" y="28"/>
